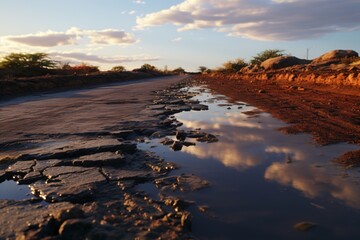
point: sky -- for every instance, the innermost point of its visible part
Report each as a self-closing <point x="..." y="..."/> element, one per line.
<point x="176" y="33"/>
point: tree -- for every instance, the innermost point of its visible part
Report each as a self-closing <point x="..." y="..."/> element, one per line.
<point x="27" y="64"/>
<point x="202" y="69"/>
<point x="147" y="68"/>
<point x="178" y="70"/>
<point x="118" y="69"/>
<point x="265" y="55"/>
<point x="234" y="66"/>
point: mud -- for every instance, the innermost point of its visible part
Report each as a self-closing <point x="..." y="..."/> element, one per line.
<point x="84" y="183"/>
<point x="330" y="114"/>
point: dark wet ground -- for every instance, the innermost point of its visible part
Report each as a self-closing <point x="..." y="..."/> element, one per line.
<point x="239" y="177"/>
<point x="262" y="182"/>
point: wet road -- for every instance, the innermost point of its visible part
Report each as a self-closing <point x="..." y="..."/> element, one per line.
<point x="74" y="111"/>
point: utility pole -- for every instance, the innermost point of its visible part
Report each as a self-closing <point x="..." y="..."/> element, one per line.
<point x="307" y="54"/>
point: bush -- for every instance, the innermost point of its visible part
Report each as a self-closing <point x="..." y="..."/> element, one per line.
<point x="147" y="68"/>
<point x="265" y="55"/>
<point x="118" y="69"/>
<point x="179" y="70"/>
<point x="82" y="69"/>
<point x="233" y="66"/>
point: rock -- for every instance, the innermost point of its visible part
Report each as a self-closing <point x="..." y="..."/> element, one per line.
<point x="54" y="172"/>
<point x="282" y="62"/>
<point x="78" y="148"/>
<point x="114" y="174"/>
<point x="199" y="107"/>
<point x="180" y="135"/>
<point x="209" y="138"/>
<point x="176" y="146"/>
<point x="334" y="56"/>
<point x="167" y="141"/>
<point x="18" y="216"/>
<point x="188" y="144"/>
<point x="184" y="183"/>
<point x="349" y="159"/>
<point x="75" y="229"/>
<point x="186" y="219"/>
<point x="21" y="167"/>
<point x="261" y="91"/>
<point x="100" y="159"/>
<point x="122" y="133"/>
<point x="162" y="166"/>
<point x="68" y="213"/>
<point x="4" y="175"/>
<point x="40" y="166"/>
<point x="304" y="226"/>
<point x="73" y="184"/>
<point x="156" y="107"/>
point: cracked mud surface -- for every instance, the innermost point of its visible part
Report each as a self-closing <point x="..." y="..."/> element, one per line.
<point x="81" y="162"/>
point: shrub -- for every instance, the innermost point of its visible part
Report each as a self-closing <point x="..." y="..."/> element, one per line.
<point x="202" y="69"/>
<point x="147" y="68"/>
<point x="118" y="69"/>
<point x="83" y="68"/>
<point x="233" y="66"/>
<point x="179" y="70"/>
<point x="265" y="55"/>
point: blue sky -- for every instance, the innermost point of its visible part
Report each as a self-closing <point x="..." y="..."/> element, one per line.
<point x="176" y="33"/>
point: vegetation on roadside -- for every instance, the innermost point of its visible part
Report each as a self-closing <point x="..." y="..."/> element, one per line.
<point x="27" y="64"/>
<point x="239" y="63"/>
<point x="17" y="65"/>
<point x="265" y="55"/>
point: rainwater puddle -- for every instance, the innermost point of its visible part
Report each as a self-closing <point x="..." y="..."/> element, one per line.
<point x="262" y="181"/>
<point x="11" y="191"/>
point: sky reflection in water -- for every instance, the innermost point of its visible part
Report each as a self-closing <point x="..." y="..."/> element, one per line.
<point x="262" y="181"/>
<point x="291" y="160"/>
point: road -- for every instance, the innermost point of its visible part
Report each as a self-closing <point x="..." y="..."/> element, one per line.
<point x="83" y="110"/>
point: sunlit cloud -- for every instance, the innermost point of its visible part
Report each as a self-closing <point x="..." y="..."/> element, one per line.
<point x="72" y="37"/>
<point x="315" y="182"/>
<point x="44" y="39"/>
<point x="264" y="20"/>
<point x="110" y="36"/>
<point x="77" y="57"/>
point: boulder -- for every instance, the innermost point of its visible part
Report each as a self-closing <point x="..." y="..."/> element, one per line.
<point x="335" y="56"/>
<point x="282" y="62"/>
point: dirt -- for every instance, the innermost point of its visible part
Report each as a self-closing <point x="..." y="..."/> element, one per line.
<point x="79" y="156"/>
<point x="330" y="114"/>
<point x="349" y="159"/>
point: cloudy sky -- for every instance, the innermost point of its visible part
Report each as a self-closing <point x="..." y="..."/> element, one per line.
<point x="176" y="33"/>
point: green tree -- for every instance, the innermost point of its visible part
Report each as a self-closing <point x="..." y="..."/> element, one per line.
<point x="27" y="64"/>
<point x="265" y="55"/>
<point x="118" y="69"/>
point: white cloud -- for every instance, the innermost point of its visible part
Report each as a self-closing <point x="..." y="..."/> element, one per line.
<point x="72" y="37"/>
<point x="178" y="39"/>
<point x="110" y="36"/>
<point x="44" y="39"/>
<point x="261" y="19"/>
<point x="77" y="57"/>
<point x="139" y="2"/>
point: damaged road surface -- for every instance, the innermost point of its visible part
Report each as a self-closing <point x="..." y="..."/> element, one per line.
<point x="77" y="152"/>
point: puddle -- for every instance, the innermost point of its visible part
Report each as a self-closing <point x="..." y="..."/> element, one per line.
<point x="11" y="191"/>
<point x="262" y="181"/>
